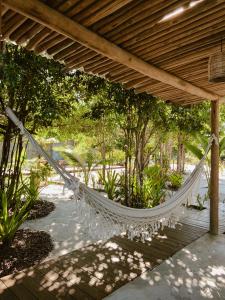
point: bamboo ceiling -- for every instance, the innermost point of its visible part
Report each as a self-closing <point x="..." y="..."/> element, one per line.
<point x="178" y="43"/>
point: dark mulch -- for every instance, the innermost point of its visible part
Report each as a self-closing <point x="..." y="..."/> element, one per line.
<point x="41" y="209"/>
<point x="196" y="207"/>
<point x="27" y="249"/>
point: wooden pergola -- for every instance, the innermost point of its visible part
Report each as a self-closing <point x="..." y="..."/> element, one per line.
<point x="154" y="46"/>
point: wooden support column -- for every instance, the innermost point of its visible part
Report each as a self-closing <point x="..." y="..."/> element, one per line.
<point x="214" y="179"/>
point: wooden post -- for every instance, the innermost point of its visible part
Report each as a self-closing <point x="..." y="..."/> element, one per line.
<point x="214" y="178"/>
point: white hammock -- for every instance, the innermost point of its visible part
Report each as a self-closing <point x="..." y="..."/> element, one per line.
<point x="107" y="218"/>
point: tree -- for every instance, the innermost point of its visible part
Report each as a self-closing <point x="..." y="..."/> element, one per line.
<point x="184" y="120"/>
<point x="33" y="87"/>
<point x="139" y="117"/>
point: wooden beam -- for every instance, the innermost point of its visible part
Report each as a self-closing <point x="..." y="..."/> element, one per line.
<point x="214" y="178"/>
<point x="56" y="21"/>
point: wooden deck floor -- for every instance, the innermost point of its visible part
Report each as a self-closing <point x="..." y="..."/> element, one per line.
<point x="201" y="218"/>
<point x="97" y="270"/>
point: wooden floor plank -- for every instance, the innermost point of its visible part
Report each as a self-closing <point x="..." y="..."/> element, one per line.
<point x="18" y="288"/>
<point x="93" y="272"/>
<point x="6" y="293"/>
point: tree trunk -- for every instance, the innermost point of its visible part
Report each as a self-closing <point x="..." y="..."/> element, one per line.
<point x="180" y="151"/>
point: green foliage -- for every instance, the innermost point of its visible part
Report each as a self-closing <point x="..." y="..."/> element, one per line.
<point x="34" y="184"/>
<point x="40" y="171"/>
<point x="87" y="162"/>
<point x="175" y="180"/>
<point x="189" y="119"/>
<point x="35" y="89"/>
<point x="196" y="151"/>
<point x="154" y="185"/>
<point x="12" y="218"/>
<point x="201" y="201"/>
<point x="33" y="86"/>
<point x="110" y="182"/>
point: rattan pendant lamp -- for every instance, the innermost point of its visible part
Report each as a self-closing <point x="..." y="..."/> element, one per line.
<point x="216" y="67"/>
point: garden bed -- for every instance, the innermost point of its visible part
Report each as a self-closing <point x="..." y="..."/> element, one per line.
<point x="195" y="206"/>
<point x="27" y="249"/>
<point x="41" y="209"/>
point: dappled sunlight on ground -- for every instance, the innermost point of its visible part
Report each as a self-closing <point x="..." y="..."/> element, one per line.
<point x="195" y="272"/>
<point x="97" y="270"/>
<point x="63" y="224"/>
<point x="90" y="273"/>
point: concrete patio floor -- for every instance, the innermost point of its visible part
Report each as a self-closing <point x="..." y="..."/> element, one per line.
<point x="196" y="272"/>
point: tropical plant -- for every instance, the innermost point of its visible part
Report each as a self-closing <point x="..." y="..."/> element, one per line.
<point x="198" y="150"/>
<point x="33" y="87"/>
<point x="201" y="200"/>
<point x="33" y="186"/>
<point x="175" y="180"/>
<point x="154" y="185"/>
<point x="12" y="218"/>
<point x="110" y="181"/>
<point x="87" y="164"/>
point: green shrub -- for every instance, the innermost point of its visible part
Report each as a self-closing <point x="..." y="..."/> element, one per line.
<point x="12" y="217"/>
<point x="32" y="186"/>
<point x="154" y="186"/>
<point x="110" y="183"/>
<point x="175" y="180"/>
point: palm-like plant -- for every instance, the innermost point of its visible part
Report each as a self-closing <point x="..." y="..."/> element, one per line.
<point x="198" y="150"/>
<point x="12" y="217"/>
<point x="87" y="164"/>
<point x="110" y="182"/>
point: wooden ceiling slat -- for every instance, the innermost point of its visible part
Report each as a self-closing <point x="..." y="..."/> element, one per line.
<point x="90" y="12"/>
<point x="126" y="13"/>
<point x="15" y="26"/>
<point x="60" y="46"/>
<point x="108" y="69"/>
<point x="180" y="45"/>
<point x="98" y="62"/>
<point x="146" y="19"/>
<point x="29" y="33"/>
<point x="7" y="16"/>
<point x="19" y="32"/>
<point x="82" y="64"/>
<point x="104" y="12"/>
<point x="80" y="58"/>
<point x="119" y="71"/>
<point x="134" y="76"/>
<point x="130" y="76"/>
<point x="93" y="60"/>
<point x="85" y="20"/>
<point x="101" y="67"/>
<point x="196" y="49"/>
<point x="79" y="7"/>
<point x="188" y="18"/>
<point x="67" y="51"/>
<point x="189" y="37"/>
<point x="38" y="38"/>
<point x="12" y="25"/>
<point x="67" y="5"/>
<point x="80" y="51"/>
<point x="121" y="75"/>
<point x="192" y="29"/>
<point x="134" y="82"/>
<point x="4" y="10"/>
<point x="50" y="36"/>
<point x="46" y="45"/>
<point x="133" y="19"/>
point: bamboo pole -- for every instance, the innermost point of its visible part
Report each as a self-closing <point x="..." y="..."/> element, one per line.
<point x="214" y="178"/>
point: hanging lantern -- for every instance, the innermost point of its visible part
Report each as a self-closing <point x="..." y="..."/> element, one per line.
<point x="216" y="68"/>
